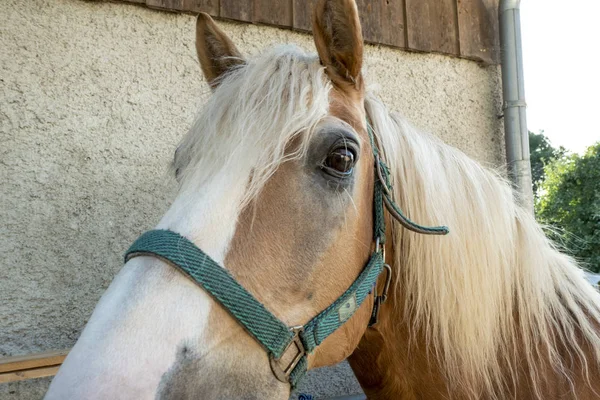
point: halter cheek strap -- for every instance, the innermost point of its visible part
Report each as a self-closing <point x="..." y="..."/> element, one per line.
<point x="275" y="336"/>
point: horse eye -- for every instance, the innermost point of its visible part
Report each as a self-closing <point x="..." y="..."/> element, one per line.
<point x="340" y="160"/>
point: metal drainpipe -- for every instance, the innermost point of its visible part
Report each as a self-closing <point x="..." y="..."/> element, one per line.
<point x="513" y="90"/>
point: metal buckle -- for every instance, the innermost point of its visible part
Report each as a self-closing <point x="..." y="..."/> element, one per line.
<point x="283" y="373"/>
<point x="379" y="300"/>
<point x="380" y="248"/>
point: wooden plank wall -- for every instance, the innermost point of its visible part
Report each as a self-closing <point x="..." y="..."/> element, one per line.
<point x="462" y="28"/>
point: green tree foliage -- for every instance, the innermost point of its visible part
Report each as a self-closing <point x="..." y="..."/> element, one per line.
<point x="569" y="199"/>
<point x="541" y="154"/>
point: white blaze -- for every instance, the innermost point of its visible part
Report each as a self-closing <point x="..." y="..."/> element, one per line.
<point x="150" y="310"/>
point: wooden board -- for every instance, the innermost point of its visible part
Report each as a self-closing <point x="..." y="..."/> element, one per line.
<point x="383" y="21"/>
<point x="208" y="6"/>
<point x="31" y="366"/>
<point x="478" y="30"/>
<point x="464" y="28"/>
<point x="28" y="374"/>
<point x="432" y="26"/>
<point x="173" y="5"/>
<point x="10" y="364"/>
<point x="194" y="6"/>
<point x="271" y="12"/>
<point x="302" y="14"/>
<point x="240" y="10"/>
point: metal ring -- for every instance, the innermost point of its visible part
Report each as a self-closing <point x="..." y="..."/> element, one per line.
<point x="380" y="248"/>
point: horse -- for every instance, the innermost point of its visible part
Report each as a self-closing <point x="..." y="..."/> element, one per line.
<point x="276" y="186"/>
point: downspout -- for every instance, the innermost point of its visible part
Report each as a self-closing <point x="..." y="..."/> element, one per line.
<point x="513" y="91"/>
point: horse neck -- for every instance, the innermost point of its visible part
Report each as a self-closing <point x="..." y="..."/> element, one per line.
<point x="491" y="308"/>
<point x="390" y="363"/>
<point x="396" y="361"/>
<point x="393" y="363"/>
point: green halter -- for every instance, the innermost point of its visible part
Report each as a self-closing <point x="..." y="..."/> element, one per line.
<point x="275" y="336"/>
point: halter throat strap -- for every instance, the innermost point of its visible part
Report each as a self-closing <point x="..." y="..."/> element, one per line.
<point x="384" y="195"/>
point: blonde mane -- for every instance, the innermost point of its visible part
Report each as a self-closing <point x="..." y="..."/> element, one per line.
<point x="248" y="123"/>
<point x="495" y="290"/>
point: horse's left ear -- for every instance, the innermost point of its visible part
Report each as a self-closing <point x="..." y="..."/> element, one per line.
<point x="216" y="52"/>
<point x="339" y="40"/>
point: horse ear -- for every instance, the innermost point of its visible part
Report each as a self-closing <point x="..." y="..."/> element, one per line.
<point x="216" y="52"/>
<point x="339" y="40"/>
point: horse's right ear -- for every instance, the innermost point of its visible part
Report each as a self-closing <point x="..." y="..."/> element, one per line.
<point x="216" y="52"/>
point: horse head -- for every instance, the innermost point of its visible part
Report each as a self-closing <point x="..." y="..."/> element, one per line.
<point x="276" y="187"/>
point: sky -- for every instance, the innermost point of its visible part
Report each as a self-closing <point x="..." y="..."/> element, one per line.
<point x="561" y="61"/>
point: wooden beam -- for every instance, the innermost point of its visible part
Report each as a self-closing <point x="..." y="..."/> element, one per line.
<point x="28" y="374"/>
<point x="31" y="366"/>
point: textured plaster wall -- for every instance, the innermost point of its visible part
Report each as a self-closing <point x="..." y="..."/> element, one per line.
<point x="93" y="99"/>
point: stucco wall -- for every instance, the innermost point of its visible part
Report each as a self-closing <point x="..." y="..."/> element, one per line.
<point x="94" y="97"/>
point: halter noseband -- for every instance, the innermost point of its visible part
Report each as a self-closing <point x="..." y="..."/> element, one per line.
<point x="275" y="336"/>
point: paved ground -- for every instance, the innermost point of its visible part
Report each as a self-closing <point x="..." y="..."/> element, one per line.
<point x="326" y="383"/>
<point x="323" y="383"/>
